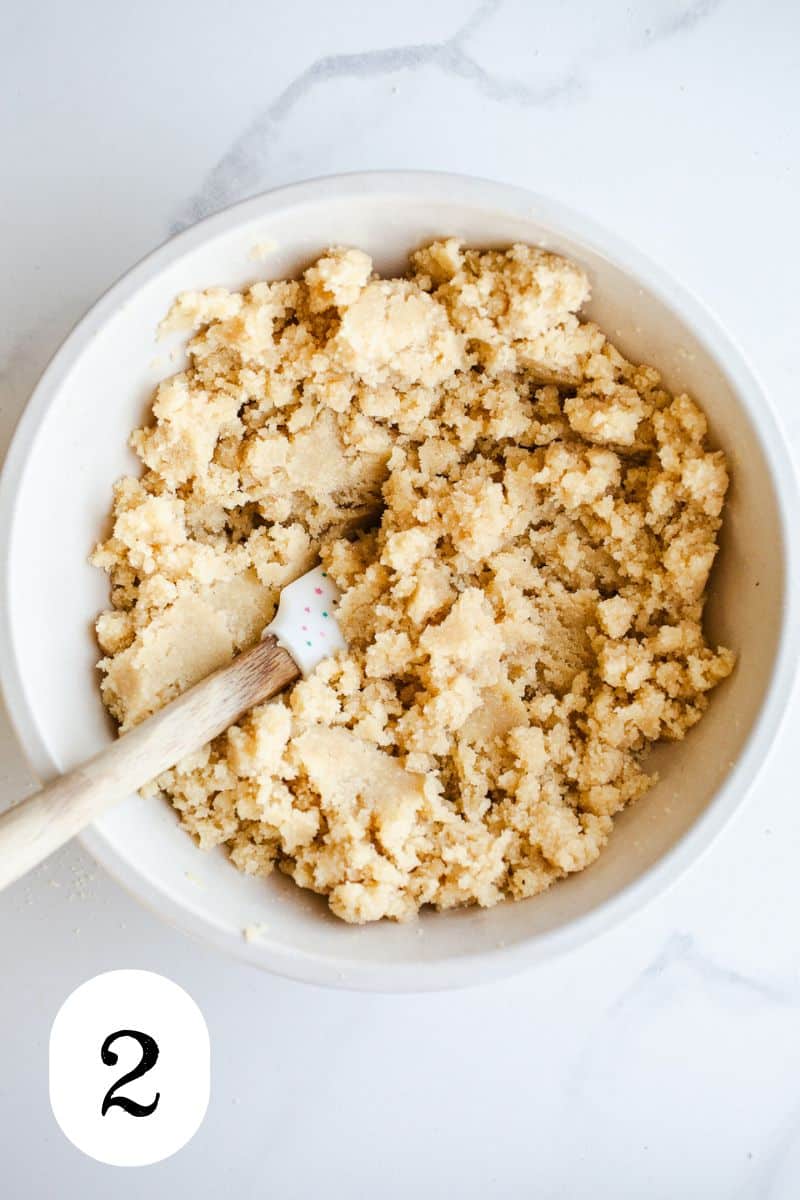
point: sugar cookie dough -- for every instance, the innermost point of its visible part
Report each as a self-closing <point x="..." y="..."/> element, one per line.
<point x="523" y="622"/>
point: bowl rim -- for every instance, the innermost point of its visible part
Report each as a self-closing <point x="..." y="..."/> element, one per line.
<point x="508" y="198"/>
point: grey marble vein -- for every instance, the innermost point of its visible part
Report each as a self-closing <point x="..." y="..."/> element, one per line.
<point x="240" y="170"/>
<point x="779" y="1176"/>
<point x="683" y="20"/>
<point x="243" y="168"/>
<point x="654" y="986"/>
<point x="681" y="949"/>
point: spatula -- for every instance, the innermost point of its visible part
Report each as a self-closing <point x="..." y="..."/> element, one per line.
<point x="303" y="632"/>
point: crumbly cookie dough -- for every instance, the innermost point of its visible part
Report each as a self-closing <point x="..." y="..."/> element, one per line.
<point x="523" y="623"/>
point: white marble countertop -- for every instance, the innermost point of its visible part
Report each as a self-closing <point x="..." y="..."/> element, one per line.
<point x="662" y="1060"/>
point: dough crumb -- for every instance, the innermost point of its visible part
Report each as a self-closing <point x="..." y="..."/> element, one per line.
<point x="251" y="933"/>
<point x="263" y="248"/>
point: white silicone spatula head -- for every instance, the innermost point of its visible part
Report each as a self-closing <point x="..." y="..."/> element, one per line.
<point x="305" y="623"/>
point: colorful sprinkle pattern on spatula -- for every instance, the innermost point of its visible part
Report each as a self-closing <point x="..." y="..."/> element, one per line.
<point x="305" y="623"/>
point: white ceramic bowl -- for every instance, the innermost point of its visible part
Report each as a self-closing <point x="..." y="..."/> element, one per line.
<point x="54" y="500"/>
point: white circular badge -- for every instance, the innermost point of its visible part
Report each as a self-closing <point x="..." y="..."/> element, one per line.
<point x="130" y="1068"/>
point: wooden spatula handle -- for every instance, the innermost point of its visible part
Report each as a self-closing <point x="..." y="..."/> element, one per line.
<point x="36" y="827"/>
